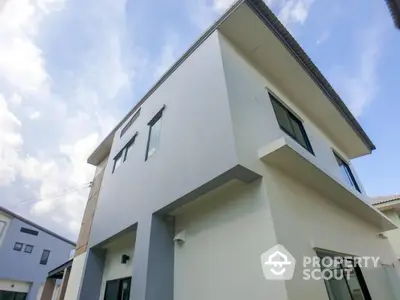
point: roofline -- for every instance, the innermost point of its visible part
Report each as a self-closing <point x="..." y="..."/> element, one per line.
<point x="394" y="8"/>
<point x="59" y="268"/>
<point x="9" y="212"/>
<point x="273" y="23"/>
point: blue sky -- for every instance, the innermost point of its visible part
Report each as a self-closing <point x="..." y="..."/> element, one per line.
<point x="69" y="70"/>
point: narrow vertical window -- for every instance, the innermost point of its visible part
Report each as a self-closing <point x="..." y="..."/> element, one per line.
<point x="346" y="172"/>
<point x="154" y="134"/>
<point x="45" y="257"/>
<point x="117" y="161"/>
<point x="129" y="146"/>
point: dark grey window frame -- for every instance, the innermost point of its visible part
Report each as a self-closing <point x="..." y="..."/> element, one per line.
<point x="157" y="117"/>
<point x="118" y="156"/>
<point x="131" y="121"/>
<point x="344" y="164"/>
<point x="128" y="144"/>
<point x="358" y="273"/>
<point x="31" y="248"/>
<point x="29" y="231"/>
<point x="44" y="260"/>
<point x="119" y="281"/>
<point x="18" y="249"/>
<point x="292" y="117"/>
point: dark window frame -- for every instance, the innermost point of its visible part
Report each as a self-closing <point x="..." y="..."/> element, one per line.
<point x="358" y="273"/>
<point x="120" y="281"/>
<point x="128" y="144"/>
<point x="31" y="249"/>
<point x="29" y="231"/>
<point x="18" y="249"/>
<point x="3" y="228"/>
<point x="344" y="164"/>
<point x="44" y="261"/>
<point x="130" y="122"/>
<point x="118" y="156"/>
<point x="292" y="118"/>
<point x="157" y="117"/>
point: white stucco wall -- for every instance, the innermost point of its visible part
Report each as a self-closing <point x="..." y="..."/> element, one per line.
<point x="226" y="232"/>
<point x="394" y="235"/>
<point x="113" y="268"/>
<point x="14" y="286"/>
<point x="254" y="121"/>
<point x="305" y="220"/>
<point x="75" y="277"/>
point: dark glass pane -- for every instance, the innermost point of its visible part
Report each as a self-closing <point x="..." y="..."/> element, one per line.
<point x="298" y="133"/>
<point x="5" y="295"/>
<point x="355" y="287"/>
<point x="20" y="296"/>
<point x="45" y="257"/>
<point x="112" y="289"/>
<point x="125" y="289"/>
<point x="282" y="117"/>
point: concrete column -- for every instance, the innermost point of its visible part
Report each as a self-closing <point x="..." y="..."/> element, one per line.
<point x="153" y="260"/>
<point x="92" y="274"/>
<point x="48" y="289"/>
<point x="64" y="284"/>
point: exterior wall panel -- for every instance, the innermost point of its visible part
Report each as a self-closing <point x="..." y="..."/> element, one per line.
<point x="196" y="145"/>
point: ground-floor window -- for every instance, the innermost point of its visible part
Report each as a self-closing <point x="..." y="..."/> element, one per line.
<point x="7" y="295"/>
<point x="348" y="285"/>
<point x="118" y="289"/>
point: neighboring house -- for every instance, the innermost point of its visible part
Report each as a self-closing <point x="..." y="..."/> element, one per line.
<point x="240" y="146"/>
<point x="27" y="253"/>
<point x="394" y="7"/>
<point x="390" y="206"/>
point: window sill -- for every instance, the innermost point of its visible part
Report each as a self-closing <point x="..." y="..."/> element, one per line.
<point x="286" y="155"/>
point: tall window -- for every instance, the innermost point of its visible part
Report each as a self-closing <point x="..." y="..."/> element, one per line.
<point x="290" y="124"/>
<point x="2" y="227"/>
<point x="118" y="289"/>
<point x="154" y="134"/>
<point x="352" y="287"/>
<point x="346" y="172"/>
<point x="45" y="257"/>
<point x="129" y="146"/>
<point x="117" y="161"/>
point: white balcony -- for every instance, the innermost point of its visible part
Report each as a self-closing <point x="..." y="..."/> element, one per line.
<point x="288" y="156"/>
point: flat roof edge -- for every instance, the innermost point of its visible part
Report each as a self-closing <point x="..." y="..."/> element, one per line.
<point x="273" y="23"/>
<point x="9" y="212"/>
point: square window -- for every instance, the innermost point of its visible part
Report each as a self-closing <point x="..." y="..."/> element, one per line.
<point x="18" y="246"/>
<point x="28" y="248"/>
<point x="290" y="124"/>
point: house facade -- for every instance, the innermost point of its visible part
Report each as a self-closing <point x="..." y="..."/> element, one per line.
<point x="27" y="253"/>
<point x="240" y="146"/>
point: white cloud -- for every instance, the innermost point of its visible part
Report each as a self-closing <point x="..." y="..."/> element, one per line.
<point x="323" y="37"/>
<point x="359" y="84"/>
<point x="294" y="11"/>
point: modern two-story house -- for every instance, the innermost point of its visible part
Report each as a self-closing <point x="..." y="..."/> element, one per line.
<point x="240" y="146"/>
<point x="27" y="253"/>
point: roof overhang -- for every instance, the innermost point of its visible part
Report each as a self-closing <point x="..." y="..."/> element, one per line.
<point x="257" y="32"/>
<point x="394" y="7"/>
<point x="392" y="204"/>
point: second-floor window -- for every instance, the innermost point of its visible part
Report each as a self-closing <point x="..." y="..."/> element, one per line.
<point x="117" y="161"/>
<point x="45" y="257"/>
<point x="29" y="231"/>
<point x="154" y="134"/>
<point x="346" y="172"/>
<point x="18" y="246"/>
<point x="28" y="248"/>
<point x="290" y="124"/>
